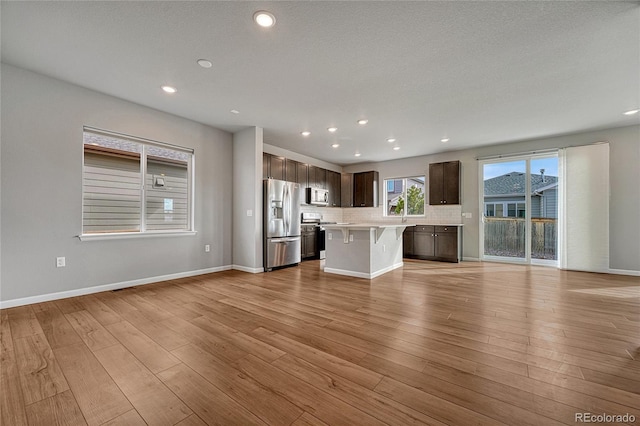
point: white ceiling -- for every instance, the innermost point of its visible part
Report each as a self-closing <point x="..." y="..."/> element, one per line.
<point x="476" y="72"/>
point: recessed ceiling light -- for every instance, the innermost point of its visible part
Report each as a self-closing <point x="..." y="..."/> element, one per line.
<point x="169" y="89"/>
<point x="357" y="154"/>
<point x="391" y="140"/>
<point x="332" y="129"/>
<point x="264" y="19"/>
<point x="631" y="112"/>
<point x="234" y="111"/>
<point x="444" y="140"/>
<point x="305" y="133"/>
<point x="395" y="148"/>
<point x="205" y="63"/>
<point x="335" y="145"/>
<point x="363" y="121"/>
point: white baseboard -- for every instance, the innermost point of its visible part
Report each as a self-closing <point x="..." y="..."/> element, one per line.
<point x="624" y="272"/>
<point x="470" y="259"/>
<point x="247" y="269"/>
<point x="4" y="304"/>
<point x="363" y="274"/>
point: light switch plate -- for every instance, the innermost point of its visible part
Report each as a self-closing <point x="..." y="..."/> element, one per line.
<point x="60" y="262"/>
<point x="249" y="213"/>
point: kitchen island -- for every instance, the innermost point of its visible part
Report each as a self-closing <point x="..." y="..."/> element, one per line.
<point x="363" y="250"/>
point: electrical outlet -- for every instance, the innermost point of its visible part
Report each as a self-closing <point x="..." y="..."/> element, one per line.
<point x="207" y="248"/>
<point x="60" y="262"/>
<point x="249" y="213"/>
<point x="329" y="236"/>
<point x="351" y="237"/>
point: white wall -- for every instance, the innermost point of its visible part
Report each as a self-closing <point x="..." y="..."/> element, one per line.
<point x="247" y="196"/>
<point x="624" y="160"/>
<point x="42" y="120"/>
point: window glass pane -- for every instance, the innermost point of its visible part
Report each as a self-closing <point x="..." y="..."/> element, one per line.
<point x="511" y="209"/>
<point x="415" y="195"/>
<point x="106" y="143"/>
<point x="544" y="208"/>
<point x="394" y="196"/>
<point x="499" y="210"/>
<point x="111" y="186"/>
<point x="167" y="189"/>
<point x="490" y="210"/>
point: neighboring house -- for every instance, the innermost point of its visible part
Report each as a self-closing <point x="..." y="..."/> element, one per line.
<point x="504" y="196"/>
<point x="395" y="190"/>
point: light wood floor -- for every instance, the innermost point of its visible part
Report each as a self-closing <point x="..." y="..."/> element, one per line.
<point x="430" y="343"/>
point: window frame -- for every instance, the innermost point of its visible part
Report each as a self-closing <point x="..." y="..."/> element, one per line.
<point x="404" y="195"/>
<point x="143" y="232"/>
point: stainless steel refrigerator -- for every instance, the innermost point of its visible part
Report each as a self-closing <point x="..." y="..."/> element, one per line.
<point x="281" y="223"/>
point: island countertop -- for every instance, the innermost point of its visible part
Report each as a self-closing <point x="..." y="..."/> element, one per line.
<point x="379" y="228"/>
<point x="367" y="225"/>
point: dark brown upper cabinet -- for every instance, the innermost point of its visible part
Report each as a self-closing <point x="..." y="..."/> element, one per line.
<point x="444" y="183"/>
<point x="275" y="166"/>
<point x="290" y="170"/>
<point x="346" y="190"/>
<point x="365" y="189"/>
<point x="301" y="174"/>
<point x="265" y="165"/>
<point x="317" y="177"/>
<point x="333" y="185"/>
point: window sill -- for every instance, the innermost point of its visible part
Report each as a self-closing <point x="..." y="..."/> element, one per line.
<point x="126" y="235"/>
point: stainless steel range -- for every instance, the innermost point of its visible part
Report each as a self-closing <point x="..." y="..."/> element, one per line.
<point x="309" y="218"/>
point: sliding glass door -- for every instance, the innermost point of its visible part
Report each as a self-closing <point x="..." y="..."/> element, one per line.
<point x="519" y="208"/>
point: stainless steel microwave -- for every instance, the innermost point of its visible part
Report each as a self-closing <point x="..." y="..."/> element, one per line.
<point x="317" y="196"/>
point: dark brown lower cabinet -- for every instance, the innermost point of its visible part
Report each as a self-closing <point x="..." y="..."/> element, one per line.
<point x="431" y="242"/>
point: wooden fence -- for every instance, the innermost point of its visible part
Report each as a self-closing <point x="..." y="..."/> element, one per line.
<point x="506" y="237"/>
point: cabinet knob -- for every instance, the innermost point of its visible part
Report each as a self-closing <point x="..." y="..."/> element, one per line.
<point x="436" y="235"/>
<point x="445" y="201"/>
<point x="441" y="201"/>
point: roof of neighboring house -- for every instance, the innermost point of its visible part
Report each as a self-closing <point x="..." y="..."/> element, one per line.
<point x="513" y="183"/>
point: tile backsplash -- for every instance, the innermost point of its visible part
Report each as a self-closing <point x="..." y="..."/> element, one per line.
<point x="434" y="215"/>
<point x="329" y="214"/>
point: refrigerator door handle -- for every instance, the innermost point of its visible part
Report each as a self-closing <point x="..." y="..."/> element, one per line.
<point x="285" y="209"/>
<point x="284" y="240"/>
<point x="289" y="211"/>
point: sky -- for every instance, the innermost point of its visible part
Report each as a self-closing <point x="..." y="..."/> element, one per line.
<point x="550" y="166"/>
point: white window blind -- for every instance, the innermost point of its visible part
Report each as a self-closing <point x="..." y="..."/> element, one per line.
<point x="585" y="210"/>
